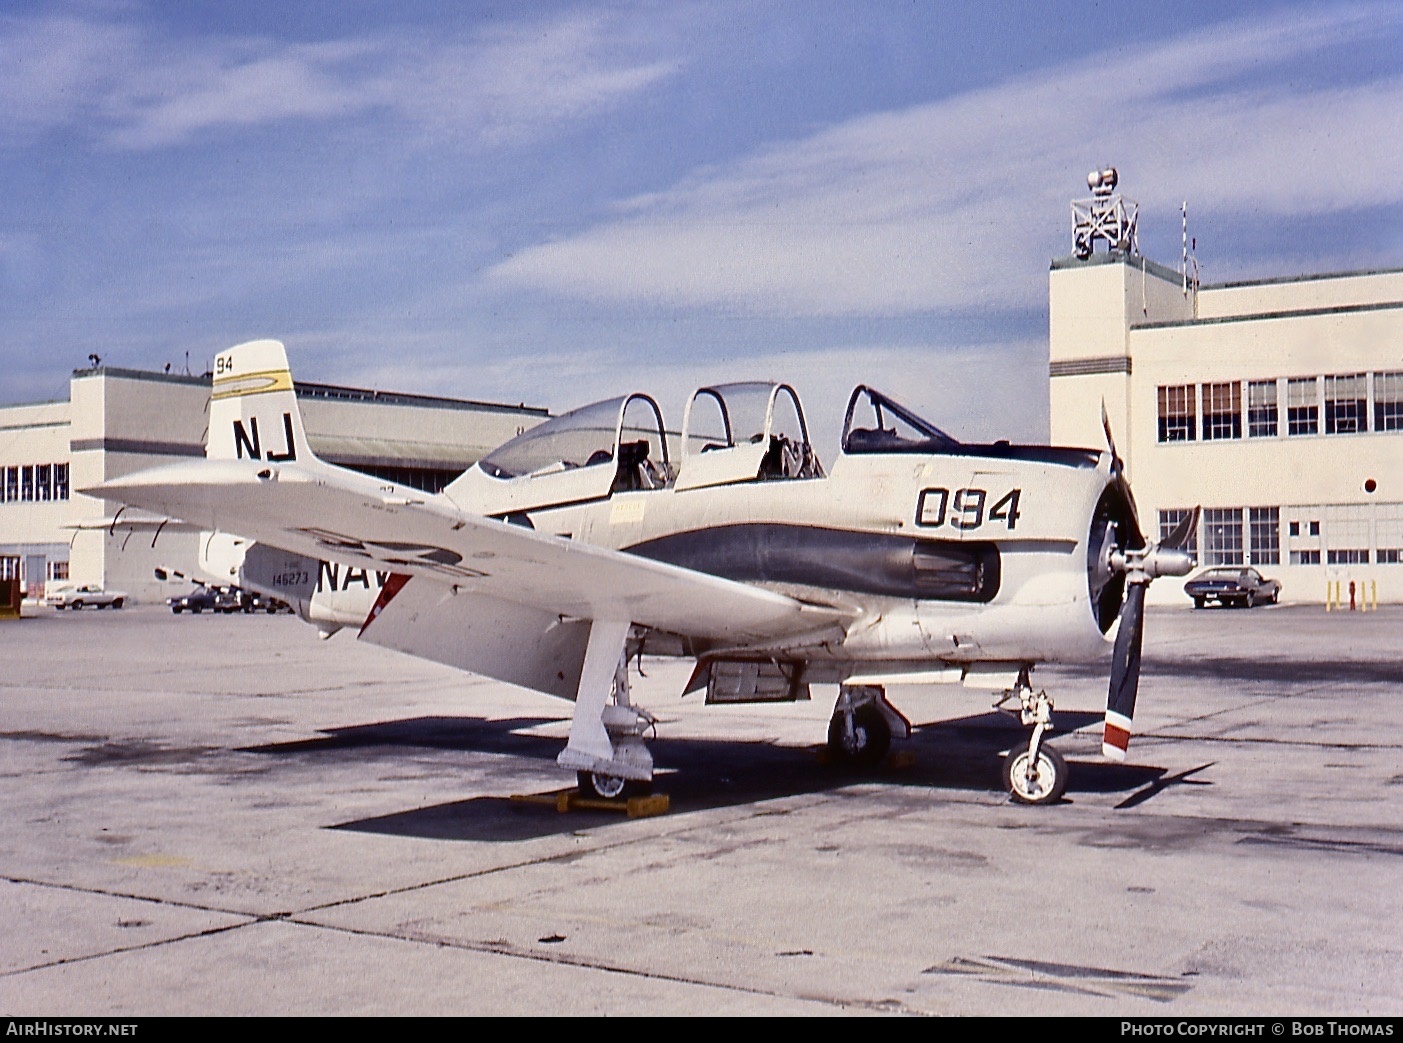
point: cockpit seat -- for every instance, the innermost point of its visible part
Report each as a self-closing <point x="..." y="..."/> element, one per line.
<point x="635" y="472"/>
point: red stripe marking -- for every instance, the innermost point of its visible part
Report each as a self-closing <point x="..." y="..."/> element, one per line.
<point x="1117" y="737"/>
<point x="393" y="585"/>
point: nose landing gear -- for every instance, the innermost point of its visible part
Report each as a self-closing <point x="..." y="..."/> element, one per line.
<point x="1038" y="774"/>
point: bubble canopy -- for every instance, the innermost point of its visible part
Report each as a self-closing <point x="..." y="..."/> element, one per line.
<point x="586" y="437"/>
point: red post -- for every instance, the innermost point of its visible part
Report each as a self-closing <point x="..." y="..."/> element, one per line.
<point x="1351" y="595"/>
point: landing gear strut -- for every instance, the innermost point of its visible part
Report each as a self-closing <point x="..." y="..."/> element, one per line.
<point x="1038" y="774"/>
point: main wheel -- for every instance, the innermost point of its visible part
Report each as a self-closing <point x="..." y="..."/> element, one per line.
<point x="1199" y="602"/>
<point x="610" y="787"/>
<point x="1249" y="601"/>
<point x="78" y="606"/>
<point x="117" y="603"/>
<point x="1043" y="783"/>
<point x="871" y="738"/>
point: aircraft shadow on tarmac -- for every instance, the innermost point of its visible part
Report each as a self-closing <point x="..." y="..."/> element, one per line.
<point x="700" y="774"/>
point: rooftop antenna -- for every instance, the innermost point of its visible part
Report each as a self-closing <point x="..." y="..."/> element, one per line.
<point x="1189" y="264"/>
<point x="1106" y="216"/>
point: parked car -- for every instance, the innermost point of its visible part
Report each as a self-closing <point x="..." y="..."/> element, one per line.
<point x="82" y="597"/>
<point x="227" y="600"/>
<point x="1232" y="585"/>
<point x="202" y="599"/>
<point x="252" y="601"/>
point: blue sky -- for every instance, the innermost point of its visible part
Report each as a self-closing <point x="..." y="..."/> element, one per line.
<point x="555" y="202"/>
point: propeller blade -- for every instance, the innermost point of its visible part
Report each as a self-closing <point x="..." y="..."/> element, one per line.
<point x="1110" y="439"/>
<point x="1125" y="675"/>
<point x="1183" y="533"/>
<point x="1136" y="536"/>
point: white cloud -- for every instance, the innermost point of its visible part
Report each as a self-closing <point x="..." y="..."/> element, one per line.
<point x="954" y="204"/>
<point x="508" y="83"/>
<point x="139" y="88"/>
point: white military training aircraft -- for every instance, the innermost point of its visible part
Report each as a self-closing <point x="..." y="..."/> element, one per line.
<point x="600" y="535"/>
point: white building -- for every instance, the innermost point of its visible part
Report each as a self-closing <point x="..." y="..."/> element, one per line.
<point x="1276" y="405"/>
<point x="117" y="421"/>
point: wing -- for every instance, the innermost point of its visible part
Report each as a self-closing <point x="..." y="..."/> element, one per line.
<point x="327" y="512"/>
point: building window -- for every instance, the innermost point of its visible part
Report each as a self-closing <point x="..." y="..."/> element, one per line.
<point x="12" y="484"/>
<point x="1346" y="405"/>
<point x="9" y="566"/>
<point x="1222" y="536"/>
<point x="44" y="482"/>
<point x="58" y="570"/>
<point x="1169" y="521"/>
<point x="1388" y="534"/>
<point x="1176" y="413"/>
<point x="1305" y="557"/>
<point x="1264" y="535"/>
<point x="1347" y="534"/>
<point x="1388" y="401"/>
<point x="26" y="483"/>
<point x="1261" y="409"/>
<point x="1302" y="406"/>
<point x="61" y="483"/>
<point x="1222" y="411"/>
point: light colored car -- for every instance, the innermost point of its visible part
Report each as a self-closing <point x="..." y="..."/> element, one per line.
<point x="84" y="597"/>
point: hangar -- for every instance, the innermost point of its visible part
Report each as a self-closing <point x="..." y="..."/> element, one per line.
<point x="1275" y="404"/>
<point x="117" y="421"/>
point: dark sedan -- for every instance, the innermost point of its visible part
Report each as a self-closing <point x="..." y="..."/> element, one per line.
<point x="1232" y="585"/>
<point x="213" y="598"/>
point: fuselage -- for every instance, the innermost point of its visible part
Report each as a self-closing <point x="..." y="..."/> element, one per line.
<point x="951" y="557"/>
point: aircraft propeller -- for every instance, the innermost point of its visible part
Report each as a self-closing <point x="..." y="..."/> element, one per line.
<point x="1125" y="564"/>
<point x="1139" y="566"/>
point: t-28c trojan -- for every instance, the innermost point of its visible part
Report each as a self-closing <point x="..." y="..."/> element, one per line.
<point x="600" y="535"/>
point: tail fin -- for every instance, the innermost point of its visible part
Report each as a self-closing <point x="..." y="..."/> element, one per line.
<point x="253" y="412"/>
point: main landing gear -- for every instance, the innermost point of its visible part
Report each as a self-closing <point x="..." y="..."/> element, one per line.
<point x="1038" y="774"/>
<point x="860" y="733"/>
<point x="606" y="747"/>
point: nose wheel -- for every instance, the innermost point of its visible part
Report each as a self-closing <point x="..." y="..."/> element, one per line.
<point x="1039" y="779"/>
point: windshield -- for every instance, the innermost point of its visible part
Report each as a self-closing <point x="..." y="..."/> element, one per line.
<point x="583" y="437"/>
<point x="877" y="423"/>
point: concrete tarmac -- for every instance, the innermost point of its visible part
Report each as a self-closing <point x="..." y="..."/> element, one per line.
<point x="222" y="815"/>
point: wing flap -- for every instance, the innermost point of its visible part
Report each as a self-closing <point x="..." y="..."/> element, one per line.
<point x="330" y="513"/>
<point x="500" y="639"/>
